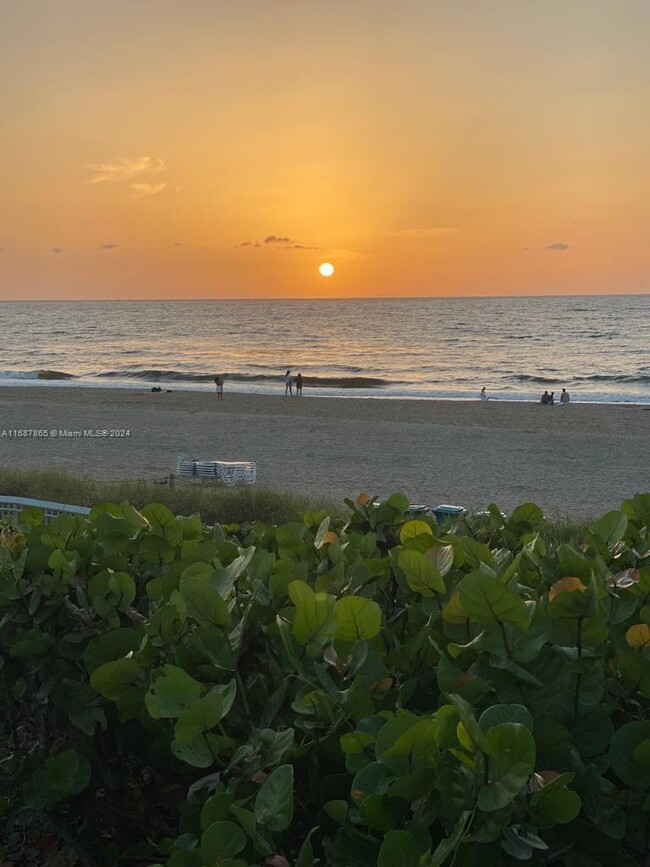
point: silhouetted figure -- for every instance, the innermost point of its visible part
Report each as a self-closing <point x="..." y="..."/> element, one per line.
<point x="218" y="383"/>
<point x="288" y="383"/>
<point x="299" y="385"/>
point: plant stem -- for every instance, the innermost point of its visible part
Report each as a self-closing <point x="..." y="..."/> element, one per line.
<point x="505" y="637"/>
<point x="576" y="698"/>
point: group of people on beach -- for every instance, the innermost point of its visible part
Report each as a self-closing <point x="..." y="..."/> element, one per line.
<point x="548" y="399"/>
<point x="289" y="383"/>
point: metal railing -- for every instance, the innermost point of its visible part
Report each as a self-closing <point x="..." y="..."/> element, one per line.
<point x="11" y="507"/>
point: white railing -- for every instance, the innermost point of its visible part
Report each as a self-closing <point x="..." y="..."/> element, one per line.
<point x="11" y="507"/>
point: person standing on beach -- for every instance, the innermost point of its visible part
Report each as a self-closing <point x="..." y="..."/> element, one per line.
<point x="564" y="397"/>
<point x="218" y="382"/>
<point x="484" y="395"/>
<point x="299" y="385"/>
<point x="288" y="383"/>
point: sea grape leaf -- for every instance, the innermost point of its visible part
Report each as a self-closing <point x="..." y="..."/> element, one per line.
<point x="201" y="716"/>
<point x="413" y="529"/>
<point x="357" y="618"/>
<point x="527" y="513"/>
<point x="274" y="801"/>
<point x="611" y="527"/>
<point x="511" y="762"/>
<point x="109" y="646"/>
<point x="638" y="636"/>
<point x="635" y="670"/>
<point x="112" y="678"/>
<point x="555" y="806"/>
<point x="200" y="753"/>
<point x="222" y="841"/>
<point x="421" y="573"/>
<point x="216" y="809"/>
<point x="315" y="619"/>
<point x="498" y="714"/>
<point x="68" y="772"/>
<point x="204" y="604"/>
<point x="171" y="693"/>
<point x="399" y="849"/>
<point x="625" y="759"/>
<point x="487" y="600"/>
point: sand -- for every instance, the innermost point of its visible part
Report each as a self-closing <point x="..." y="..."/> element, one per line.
<point x="573" y="461"/>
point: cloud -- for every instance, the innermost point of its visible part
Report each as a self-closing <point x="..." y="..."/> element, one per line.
<point x="277" y="239"/>
<point x="558" y="246"/>
<point x="107" y="247"/>
<point x="142" y="190"/>
<point x="125" y="170"/>
<point x="430" y="232"/>
<point x="281" y="241"/>
<point x="56" y="250"/>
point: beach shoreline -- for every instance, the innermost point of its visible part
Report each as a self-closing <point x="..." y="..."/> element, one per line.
<point x="574" y="461"/>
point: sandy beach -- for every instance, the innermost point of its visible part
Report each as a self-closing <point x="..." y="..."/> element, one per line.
<point x="577" y="460"/>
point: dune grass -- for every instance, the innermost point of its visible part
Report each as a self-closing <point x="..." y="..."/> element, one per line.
<point x="214" y="504"/>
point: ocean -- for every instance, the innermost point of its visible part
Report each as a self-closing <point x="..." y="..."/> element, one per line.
<point x="598" y="347"/>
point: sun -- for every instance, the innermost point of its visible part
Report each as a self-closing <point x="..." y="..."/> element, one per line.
<point x="326" y="269"/>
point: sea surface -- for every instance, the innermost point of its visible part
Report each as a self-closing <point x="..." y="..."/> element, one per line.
<point x="598" y="347"/>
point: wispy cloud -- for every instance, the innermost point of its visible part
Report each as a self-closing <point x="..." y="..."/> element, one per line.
<point x="281" y="241"/>
<point x="558" y="246"/>
<point x="142" y="190"/>
<point x="107" y="247"/>
<point x="126" y="169"/>
<point x="277" y="239"/>
<point x="429" y="232"/>
<point x="56" y="250"/>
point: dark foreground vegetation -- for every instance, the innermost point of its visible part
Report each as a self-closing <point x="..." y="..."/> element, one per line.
<point x="367" y="690"/>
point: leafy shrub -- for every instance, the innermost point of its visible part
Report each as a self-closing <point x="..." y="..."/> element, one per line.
<point x="375" y="690"/>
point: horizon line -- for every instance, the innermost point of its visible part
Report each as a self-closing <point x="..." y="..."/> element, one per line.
<point x="642" y="292"/>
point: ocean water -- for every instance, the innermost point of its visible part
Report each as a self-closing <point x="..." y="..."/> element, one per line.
<point x="598" y="347"/>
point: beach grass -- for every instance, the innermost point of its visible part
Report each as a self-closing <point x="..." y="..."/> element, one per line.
<point x="213" y="504"/>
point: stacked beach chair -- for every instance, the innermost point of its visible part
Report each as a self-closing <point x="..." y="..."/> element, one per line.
<point x="226" y="472"/>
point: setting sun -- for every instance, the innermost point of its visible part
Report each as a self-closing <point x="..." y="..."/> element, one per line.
<point x="326" y="269"/>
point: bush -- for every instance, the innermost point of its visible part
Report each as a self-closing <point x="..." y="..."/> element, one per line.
<point x="374" y="690"/>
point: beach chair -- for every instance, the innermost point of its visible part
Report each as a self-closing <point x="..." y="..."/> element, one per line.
<point x="445" y="512"/>
<point x="226" y="472"/>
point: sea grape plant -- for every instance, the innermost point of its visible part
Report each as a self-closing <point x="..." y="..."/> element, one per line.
<point x="378" y="690"/>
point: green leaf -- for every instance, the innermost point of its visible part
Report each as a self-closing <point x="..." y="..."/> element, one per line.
<point x="511" y="762"/>
<point x="487" y="600"/>
<point x="203" y="715"/>
<point x="315" y="619"/>
<point x="109" y="646"/>
<point x="527" y="513"/>
<point x="204" y="604"/>
<point x="171" y="693"/>
<point x="413" y="529"/>
<point x="555" y="806"/>
<point x="112" y="678"/>
<point x="399" y="849"/>
<point x="624" y="757"/>
<point x="221" y="841"/>
<point x="498" y="714"/>
<point x="68" y="772"/>
<point x="611" y="527"/>
<point x="216" y="809"/>
<point x="357" y="618"/>
<point x="421" y="573"/>
<point x="274" y="801"/>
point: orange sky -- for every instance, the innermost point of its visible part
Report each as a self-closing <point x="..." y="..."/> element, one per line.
<point x="425" y="147"/>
